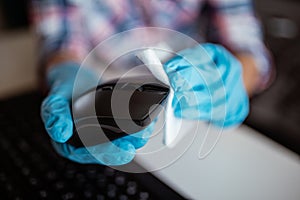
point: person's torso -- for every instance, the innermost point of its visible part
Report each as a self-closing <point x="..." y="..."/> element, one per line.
<point x="104" y="18"/>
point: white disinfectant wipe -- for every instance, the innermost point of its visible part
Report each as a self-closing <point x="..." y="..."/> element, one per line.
<point x="172" y="125"/>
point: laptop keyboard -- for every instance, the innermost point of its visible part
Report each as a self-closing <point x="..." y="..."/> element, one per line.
<point x="31" y="169"/>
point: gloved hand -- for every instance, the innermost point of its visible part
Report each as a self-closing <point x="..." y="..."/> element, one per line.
<point x="57" y="118"/>
<point x="208" y="85"/>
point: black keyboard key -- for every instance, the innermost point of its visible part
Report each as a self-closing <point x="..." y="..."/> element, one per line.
<point x="88" y="194"/>
<point x="100" y="197"/>
<point x="123" y="197"/>
<point x="131" y="188"/>
<point x="43" y="194"/>
<point x="120" y="180"/>
<point x="68" y="196"/>
<point x="144" y="195"/>
<point x="59" y="185"/>
<point x="51" y="175"/>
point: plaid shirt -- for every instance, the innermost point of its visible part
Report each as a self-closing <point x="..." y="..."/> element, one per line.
<point x="79" y="25"/>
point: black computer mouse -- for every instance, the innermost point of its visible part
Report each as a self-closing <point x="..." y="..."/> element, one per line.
<point x="120" y="107"/>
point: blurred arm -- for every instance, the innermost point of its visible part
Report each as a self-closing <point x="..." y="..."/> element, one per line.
<point x="250" y="72"/>
<point x="238" y="30"/>
<point x="60" y="29"/>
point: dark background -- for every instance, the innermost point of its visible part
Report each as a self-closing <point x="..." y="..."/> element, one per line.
<point x="276" y="111"/>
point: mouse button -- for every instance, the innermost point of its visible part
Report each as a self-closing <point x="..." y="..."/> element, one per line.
<point x="143" y="103"/>
<point x="103" y="103"/>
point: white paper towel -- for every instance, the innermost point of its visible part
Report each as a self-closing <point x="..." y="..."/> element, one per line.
<point x="172" y="124"/>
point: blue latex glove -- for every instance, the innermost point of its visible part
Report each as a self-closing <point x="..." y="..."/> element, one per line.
<point x="117" y="152"/>
<point x="57" y="118"/>
<point x="208" y="85"/>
